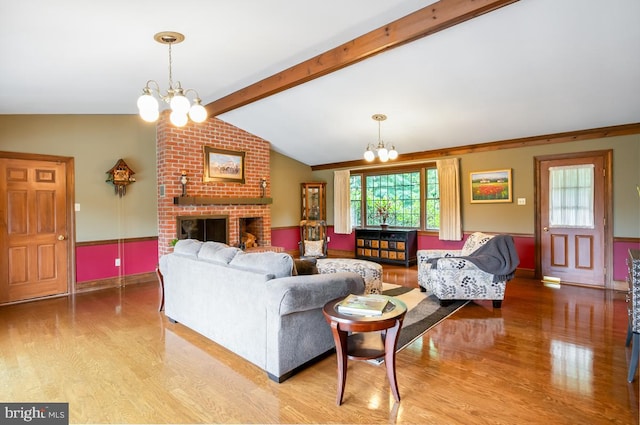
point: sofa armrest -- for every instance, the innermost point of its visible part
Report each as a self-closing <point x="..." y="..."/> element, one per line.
<point x="455" y="264"/>
<point x="301" y="293"/>
<point x="426" y="254"/>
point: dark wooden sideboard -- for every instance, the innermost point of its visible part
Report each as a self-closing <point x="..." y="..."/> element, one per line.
<point x="387" y="246"/>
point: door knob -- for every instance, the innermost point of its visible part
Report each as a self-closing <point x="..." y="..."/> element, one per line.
<point x="61" y="237"/>
<point x="545" y="228"/>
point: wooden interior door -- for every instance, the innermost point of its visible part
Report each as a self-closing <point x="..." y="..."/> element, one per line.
<point x="574" y="253"/>
<point x="34" y="234"/>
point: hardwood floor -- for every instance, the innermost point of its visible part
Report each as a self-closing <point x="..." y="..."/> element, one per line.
<point x="549" y="356"/>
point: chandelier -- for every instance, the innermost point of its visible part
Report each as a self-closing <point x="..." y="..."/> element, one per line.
<point x="384" y="153"/>
<point x="176" y="96"/>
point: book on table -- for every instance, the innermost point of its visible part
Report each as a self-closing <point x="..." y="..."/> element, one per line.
<point x="364" y="305"/>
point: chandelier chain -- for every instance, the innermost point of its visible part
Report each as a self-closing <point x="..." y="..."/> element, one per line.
<point x="170" y="71"/>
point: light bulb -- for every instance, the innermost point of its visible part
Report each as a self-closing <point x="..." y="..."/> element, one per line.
<point x="178" y="119"/>
<point x="179" y="103"/>
<point x="369" y="155"/>
<point x="197" y="113"/>
<point x="383" y="153"/>
<point x="393" y="153"/>
<point x="147" y="102"/>
<point x="149" y="115"/>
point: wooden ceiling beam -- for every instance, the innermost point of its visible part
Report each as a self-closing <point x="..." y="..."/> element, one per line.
<point x="421" y="23"/>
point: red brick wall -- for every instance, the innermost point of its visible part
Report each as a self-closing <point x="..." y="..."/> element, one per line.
<point x="183" y="149"/>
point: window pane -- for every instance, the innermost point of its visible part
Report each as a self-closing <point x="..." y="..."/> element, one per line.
<point x="356" y="200"/>
<point x="432" y="201"/>
<point x="571" y="196"/>
<point x="397" y="191"/>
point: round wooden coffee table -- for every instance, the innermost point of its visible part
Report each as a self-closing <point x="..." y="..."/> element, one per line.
<point x="377" y="337"/>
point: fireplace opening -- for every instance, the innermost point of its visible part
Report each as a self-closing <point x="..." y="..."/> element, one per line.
<point x="253" y="226"/>
<point x="213" y="228"/>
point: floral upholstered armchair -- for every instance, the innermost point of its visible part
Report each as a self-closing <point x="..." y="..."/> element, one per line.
<point x="459" y="275"/>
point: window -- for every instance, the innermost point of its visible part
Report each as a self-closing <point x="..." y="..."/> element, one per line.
<point x="402" y="191"/>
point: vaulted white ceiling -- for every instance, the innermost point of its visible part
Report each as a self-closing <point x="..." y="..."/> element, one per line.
<point x="530" y="68"/>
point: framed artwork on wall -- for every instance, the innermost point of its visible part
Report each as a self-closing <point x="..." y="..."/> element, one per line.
<point x="491" y="186"/>
<point x="221" y="165"/>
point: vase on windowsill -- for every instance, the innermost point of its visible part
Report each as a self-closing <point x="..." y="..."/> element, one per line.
<point x="384" y="226"/>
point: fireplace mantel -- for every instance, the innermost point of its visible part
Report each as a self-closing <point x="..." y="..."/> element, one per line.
<point x="199" y="200"/>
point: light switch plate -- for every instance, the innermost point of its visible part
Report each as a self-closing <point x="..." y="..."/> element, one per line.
<point x="522" y="201"/>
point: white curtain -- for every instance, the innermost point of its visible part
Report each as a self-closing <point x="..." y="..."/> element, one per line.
<point x="342" y="202"/>
<point x="571" y="196"/>
<point x="449" y="183"/>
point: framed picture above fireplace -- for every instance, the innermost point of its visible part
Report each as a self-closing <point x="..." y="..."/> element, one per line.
<point x="221" y="165"/>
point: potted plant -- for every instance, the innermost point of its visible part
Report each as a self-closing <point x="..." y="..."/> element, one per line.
<point x="383" y="210"/>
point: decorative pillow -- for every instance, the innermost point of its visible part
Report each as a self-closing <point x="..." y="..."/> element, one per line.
<point x="473" y="242"/>
<point x="188" y="247"/>
<point x="305" y="266"/>
<point x="313" y="248"/>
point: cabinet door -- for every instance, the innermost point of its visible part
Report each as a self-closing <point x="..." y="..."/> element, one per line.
<point x="313" y="201"/>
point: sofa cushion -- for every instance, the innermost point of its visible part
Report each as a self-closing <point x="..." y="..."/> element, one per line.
<point x="187" y="247"/>
<point x="278" y="264"/>
<point x="209" y="249"/>
<point x="224" y="255"/>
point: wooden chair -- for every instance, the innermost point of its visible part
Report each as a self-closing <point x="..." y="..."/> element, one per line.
<point x="313" y="239"/>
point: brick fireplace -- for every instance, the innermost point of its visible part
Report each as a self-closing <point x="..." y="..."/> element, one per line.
<point x="181" y="149"/>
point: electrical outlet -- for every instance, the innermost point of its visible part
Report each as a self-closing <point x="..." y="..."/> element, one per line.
<point x="522" y="201"/>
<point x="117" y="262"/>
<point x="328" y="239"/>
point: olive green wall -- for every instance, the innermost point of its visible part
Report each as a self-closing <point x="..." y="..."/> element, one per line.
<point x="514" y="218"/>
<point x="286" y="176"/>
<point x="520" y="219"/>
<point x="96" y="142"/>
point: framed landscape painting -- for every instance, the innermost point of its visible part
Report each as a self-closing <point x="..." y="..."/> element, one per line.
<point x="491" y="186"/>
<point x="222" y="165"/>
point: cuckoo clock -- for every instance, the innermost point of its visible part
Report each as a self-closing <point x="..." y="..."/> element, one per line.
<point x="120" y="176"/>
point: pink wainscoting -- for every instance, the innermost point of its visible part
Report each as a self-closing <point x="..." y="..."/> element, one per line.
<point x="286" y="237"/>
<point x="525" y="245"/>
<point x="97" y="261"/>
<point x="340" y="241"/>
<point x="620" y="254"/>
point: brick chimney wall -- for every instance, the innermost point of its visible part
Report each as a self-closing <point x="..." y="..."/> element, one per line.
<point x="183" y="149"/>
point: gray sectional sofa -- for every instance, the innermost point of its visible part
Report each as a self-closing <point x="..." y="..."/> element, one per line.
<point x="253" y="304"/>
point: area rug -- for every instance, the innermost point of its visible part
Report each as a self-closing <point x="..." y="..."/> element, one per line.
<point x="424" y="313"/>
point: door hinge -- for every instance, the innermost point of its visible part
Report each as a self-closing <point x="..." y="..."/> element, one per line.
<point x="604" y="172"/>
